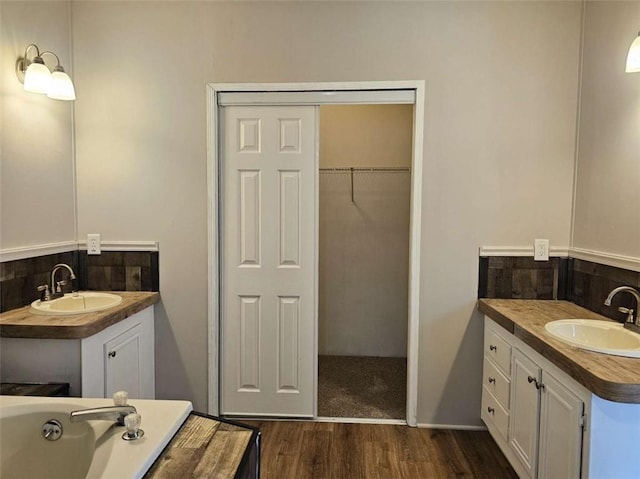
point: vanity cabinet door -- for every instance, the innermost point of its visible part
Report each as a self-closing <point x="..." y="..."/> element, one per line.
<point x="525" y="405"/>
<point x="561" y="430"/>
<point x="122" y="359"/>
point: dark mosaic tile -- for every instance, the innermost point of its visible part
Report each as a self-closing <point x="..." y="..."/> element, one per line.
<point x="145" y="279"/>
<point x="11" y="294"/>
<point x="83" y="271"/>
<point x="7" y="271"/>
<point x="138" y="258"/>
<point x="98" y="278"/>
<point x="118" y="281"/>
<point x="23" y="267"/>
<point x="483" y="277"/>
<point x="562" y="280"/>
<point x="133" y="279"/>
<point x="155" y="271"/>
<point x="107" y="258"/>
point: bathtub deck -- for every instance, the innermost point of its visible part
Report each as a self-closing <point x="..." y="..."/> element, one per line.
<point x="207" y="447"/>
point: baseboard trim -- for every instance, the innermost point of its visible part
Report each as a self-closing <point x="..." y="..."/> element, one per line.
<point x="12" y="254"/>
<point x="123" y="245"/>
<point x="554" y="251"/>
<point x="611" y="259"/>
<point x="457" y="427"/>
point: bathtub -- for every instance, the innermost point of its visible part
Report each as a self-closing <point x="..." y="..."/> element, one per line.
<point x="92" y="449"/>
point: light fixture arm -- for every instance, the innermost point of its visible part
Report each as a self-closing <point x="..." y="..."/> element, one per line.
<point x="58" y="67"/>
<point x="23" y="63"/>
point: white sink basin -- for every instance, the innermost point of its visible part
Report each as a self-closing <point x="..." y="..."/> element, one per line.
<point x="605" y="337"/>
<point x="85" y="302"/>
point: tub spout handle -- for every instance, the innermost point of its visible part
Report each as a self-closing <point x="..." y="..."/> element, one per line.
<point x="132" y="423"/>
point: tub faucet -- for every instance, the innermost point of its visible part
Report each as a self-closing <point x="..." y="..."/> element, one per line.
<point x="56" y="290"/>
<point x="108" y="413"/>
<point x="632" y="324"/>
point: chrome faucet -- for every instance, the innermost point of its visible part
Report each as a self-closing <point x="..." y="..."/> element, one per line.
<point x="630" y="323"/>
<point x="56" y="287"/>
<point x="107" y="413"/>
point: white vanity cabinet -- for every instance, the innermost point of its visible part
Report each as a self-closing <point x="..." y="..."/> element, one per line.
<point x="540" y="427"/>
<point x="120" y="357"/>
<point x="545" y="431"/>
<point x="496" y="384"/>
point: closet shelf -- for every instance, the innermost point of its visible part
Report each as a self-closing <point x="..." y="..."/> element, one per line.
<point x="360" y="169"/>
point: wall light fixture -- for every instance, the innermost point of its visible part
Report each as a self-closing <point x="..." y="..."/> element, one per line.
<point x="633" y="58"/>
<point x="37" y="77"/>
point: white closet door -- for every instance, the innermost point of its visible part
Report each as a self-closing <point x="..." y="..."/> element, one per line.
<point x="268" y="254"/>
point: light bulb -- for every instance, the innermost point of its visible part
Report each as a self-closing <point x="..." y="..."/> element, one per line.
<point x="633" y="58"/>
<point x="61" y="86"/>
<point x="37" y="78"/>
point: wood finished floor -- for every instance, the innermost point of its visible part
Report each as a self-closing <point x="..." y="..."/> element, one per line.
<point x="304" y="450"/>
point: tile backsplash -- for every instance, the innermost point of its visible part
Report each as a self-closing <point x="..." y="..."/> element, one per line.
<point x="582" y="282"/>
<point x="515" y="277"/>
<point x="119" y="271"/>
<point x="20" y="279"/>
<point x="592" y="282"/>
<point x="109" y="271"/>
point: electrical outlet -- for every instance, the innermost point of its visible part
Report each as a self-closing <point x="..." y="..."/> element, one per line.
<point x="541" y="250"/>
<point x="93" y="244"/>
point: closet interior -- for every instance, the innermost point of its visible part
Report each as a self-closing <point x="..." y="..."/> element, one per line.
<point x="364" y="206"/>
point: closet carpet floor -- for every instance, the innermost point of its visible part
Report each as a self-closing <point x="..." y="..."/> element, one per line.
<point x="362" y="387"/>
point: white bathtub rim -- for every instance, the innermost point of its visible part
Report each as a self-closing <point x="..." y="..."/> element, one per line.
<point x="161" y="419"/>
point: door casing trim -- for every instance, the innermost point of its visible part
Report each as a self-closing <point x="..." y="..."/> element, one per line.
<point x="213" y="202"/>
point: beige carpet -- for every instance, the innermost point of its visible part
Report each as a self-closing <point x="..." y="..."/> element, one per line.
<point x="363" y="387"/>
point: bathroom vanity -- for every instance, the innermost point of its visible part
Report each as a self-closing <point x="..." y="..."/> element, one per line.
<point x="553" y="409"/>
<point x="96" y="353"/>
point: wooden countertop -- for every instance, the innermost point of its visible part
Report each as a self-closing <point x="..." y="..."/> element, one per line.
<point x="206" y="447"/>
<point x="22" y="323"/>
<point x="611" y="377"/>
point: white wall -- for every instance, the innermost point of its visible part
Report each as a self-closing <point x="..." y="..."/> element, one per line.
<point x="607" y="217"/>
<point x="37" y="202"/>
<point x="501" y="83"/>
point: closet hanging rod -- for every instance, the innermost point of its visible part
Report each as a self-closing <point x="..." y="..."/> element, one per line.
<point x="354" y="169"/>
<point x="367" y="168"/>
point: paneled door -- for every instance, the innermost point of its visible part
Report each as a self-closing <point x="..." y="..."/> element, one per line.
<point x="268" y="256"/>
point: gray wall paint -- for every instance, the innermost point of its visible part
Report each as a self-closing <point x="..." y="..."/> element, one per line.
<point x="37" y="203"/>
<point x="363" y="264"/>
<point x="501" y="99"/>
<point x="608" y="173"/>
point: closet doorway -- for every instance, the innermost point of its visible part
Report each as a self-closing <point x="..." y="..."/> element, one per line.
<point x="220" y="96"/>
<point x="364" y="206"/>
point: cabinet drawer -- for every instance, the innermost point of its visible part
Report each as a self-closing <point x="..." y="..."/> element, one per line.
<point x="493" y="414"/>
<point x="498" y="349"/>
<point x="496" y="382"/>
